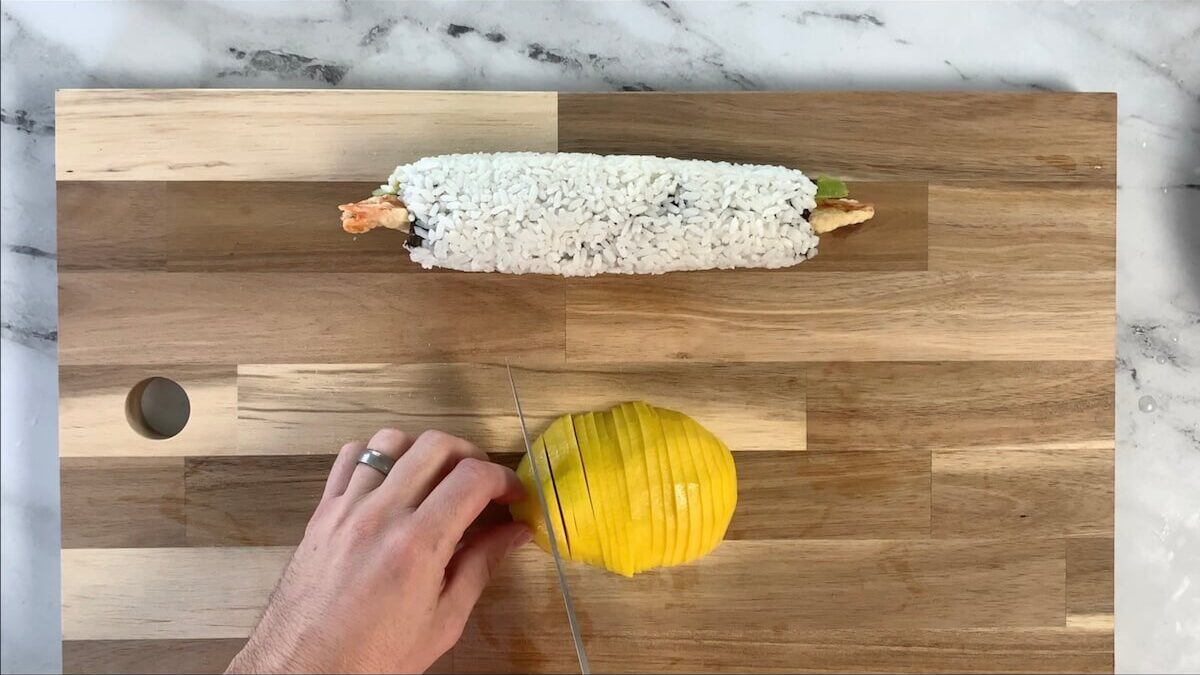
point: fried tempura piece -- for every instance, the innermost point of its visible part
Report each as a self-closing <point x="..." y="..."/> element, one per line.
<point x="831" y="214"/>
<point x="381" y="211"/>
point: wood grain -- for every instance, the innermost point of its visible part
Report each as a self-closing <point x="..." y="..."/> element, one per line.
<point x="232" y="226"/>
<point x="997" y="226"/>
<point x="863" y="495"/>
<point x="955" y="136"/>
<point x="166" y="656"/>
<point x="850" y="316"/>
<point x="182" y="593"/>
<point x="92" y="419"/>
<point x="369" y="317"/>
<point x="149" y="656"/>
<point x="122" y="502"/>
<point x="957" y="406"/>
<point x="1028" y="650"/>
<point x="799" y="585"/>
<point x="814" y="584"/>
<point x="1012" y="493"/>
<point x="1090" y="576"/>
<point x="312" y="408"/>
<point x="252" y="501"/>
<point x="119" y="225"/>
<point x="251" y="135"/>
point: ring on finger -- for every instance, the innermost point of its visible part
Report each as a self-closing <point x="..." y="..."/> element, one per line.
<point x="377" y="460"/>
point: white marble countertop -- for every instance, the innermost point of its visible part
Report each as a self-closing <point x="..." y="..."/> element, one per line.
<point x="1147" y="52"/>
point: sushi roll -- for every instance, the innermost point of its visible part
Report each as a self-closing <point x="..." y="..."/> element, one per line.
<point x="574" y="214"/>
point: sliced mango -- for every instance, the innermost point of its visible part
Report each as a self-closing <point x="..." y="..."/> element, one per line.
<point x="571" y="486"/>
<point x="614" y="470"/>
<point x="631" y="488"/>
<point x="729" y="473"/>
<point x="659" y="471"/>
<point x="714" y="493"/>
<point x="529" y="511"/>
<point x="711" y="496"/>
<point x="553" y="448"/>
<point x="724" y="484"/>
<point x="584" y="437"/>
<point x="645" y="509"/>
<point x="640" y="454"/>
<point x="689" y="502"/>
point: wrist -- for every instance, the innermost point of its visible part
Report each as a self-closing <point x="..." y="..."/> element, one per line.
<point x="258" y="657"/>
<point x="251" y="660"/>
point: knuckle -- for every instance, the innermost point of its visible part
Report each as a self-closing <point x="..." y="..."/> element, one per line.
<point x="319" y="521"/>
<point x="451" y="632"/>
<point x="323" y="511"/>
<point x="450" y="446"/>
<point x="439" y="439"/>
<point x="364" y="524"/>
<point x="315" y="529"/>
<point x="476" y="470"/>
<point x="392" y="435"/>
<point x="408" y="547"/>
<point x="329" y="512"/>
<point x="322" y="508"/>
<point x="351" y="448"/>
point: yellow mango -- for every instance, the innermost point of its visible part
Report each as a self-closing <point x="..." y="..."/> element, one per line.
<point x="529" y="511"/>
<point x="630" y="488"/>
<point x="613" y="470"/>
<point x="586" y="439"/>
<point x="708" y="483"/>
<point x="645" y="513"/>
<point x="690" y="502"/>
<point x="659" y="470"/>
<point x="570" y="486"/>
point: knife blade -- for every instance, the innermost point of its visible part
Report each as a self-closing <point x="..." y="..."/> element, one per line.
<point x="558" y="563"/>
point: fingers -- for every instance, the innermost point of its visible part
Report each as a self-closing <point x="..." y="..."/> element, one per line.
<point x="461" y="497"/>
<point x="390" y="442"/>
<point x="493" y="514"/>
<point x="343" y="468"/>
<point x="430" y="459"/>
<point x="472" y="568"/>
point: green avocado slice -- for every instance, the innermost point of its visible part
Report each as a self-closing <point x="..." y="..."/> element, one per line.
<point x="831" y="188"/>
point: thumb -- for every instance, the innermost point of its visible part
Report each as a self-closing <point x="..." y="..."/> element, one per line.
<point x="473" y="565"/>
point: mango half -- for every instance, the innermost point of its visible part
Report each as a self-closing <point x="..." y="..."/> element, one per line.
<point x="630" y="488"/>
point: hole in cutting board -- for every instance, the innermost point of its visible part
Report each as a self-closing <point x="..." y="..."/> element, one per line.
<point x="158" y="408"/>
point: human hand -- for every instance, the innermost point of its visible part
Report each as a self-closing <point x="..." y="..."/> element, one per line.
<point x="384" y="579"/>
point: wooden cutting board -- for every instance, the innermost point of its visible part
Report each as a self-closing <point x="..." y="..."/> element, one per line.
<point x="922" y="416"/>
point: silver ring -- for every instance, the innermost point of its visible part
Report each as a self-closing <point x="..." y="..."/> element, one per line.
<point x="377" y="460"/>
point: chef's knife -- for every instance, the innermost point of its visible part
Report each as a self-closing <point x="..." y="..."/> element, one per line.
<point x="558" y="563"/>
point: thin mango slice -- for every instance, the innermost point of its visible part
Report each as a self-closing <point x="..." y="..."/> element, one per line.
<point x="585" y="437"/>
<point x="566" y="470"/>
<point x="659" y="471"/>
<point x="529" y="511"/>
<point x="614" y="470"/>
<point x="645" y="509"/>
<point x="712" y="497"/>
<point x="633" y="488"/>
<point x="723" y="483"/>
<point x="689" y="499"/>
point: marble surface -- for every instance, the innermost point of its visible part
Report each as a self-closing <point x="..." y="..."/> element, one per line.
<point x="1147" y="52"/>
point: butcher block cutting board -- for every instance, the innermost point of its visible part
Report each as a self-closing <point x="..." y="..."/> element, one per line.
<point x="921" y="416"/>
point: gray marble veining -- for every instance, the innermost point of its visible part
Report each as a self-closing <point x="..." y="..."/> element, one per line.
<point x="1148" y="52"/>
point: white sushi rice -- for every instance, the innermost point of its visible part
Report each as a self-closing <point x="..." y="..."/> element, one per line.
<point x="577" y="214"/>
